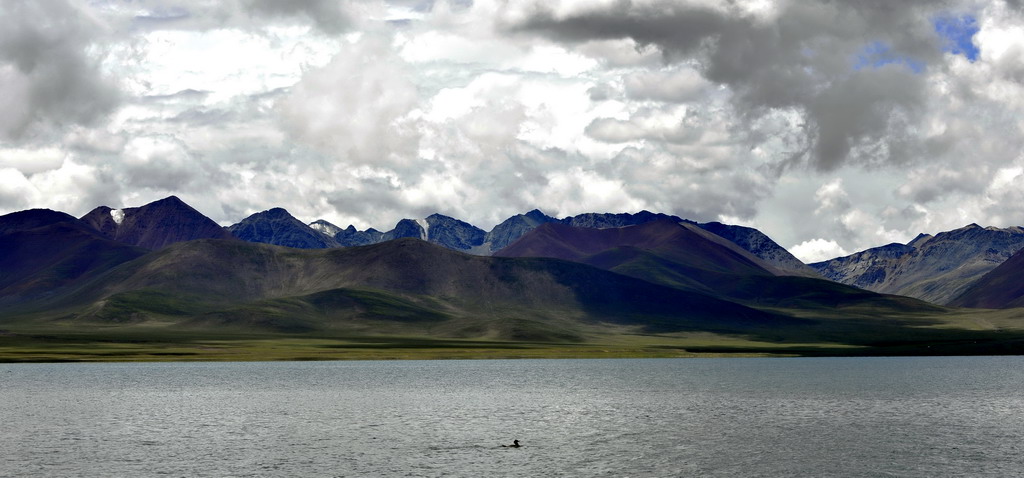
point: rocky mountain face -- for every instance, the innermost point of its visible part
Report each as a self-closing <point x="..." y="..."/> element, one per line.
<point x="406" y="228"/>
<point x="349" y="236"/>
<point x="155" y="225"/>
<point x="513" y="228"/>
<point x="762" y="246"/>
<point x="276" y="226"/>
<point x="453" y="233"/>
<point x="436" y="228"/>
<point x="606" y="220"/>
<point x="934" y="268"/>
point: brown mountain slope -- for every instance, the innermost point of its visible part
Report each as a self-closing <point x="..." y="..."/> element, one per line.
<point x="681" y="243"/>
<point x="1001" y="288"/>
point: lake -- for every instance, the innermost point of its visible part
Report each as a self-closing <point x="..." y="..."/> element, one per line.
<point x="926" y="417"/>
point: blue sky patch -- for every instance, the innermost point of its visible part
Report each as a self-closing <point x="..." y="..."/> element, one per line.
<point x="956" y="33"/>
<point x="878" y="54"/>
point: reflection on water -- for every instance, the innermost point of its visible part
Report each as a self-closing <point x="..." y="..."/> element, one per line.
<point x="690" y="417"/>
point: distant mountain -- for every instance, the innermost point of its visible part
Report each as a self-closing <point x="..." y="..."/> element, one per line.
<point x="349" y="236"/>
<point x="453" y="233"/>
<point x="606" y="220"/>
<point x="461" y="236"/>
<point x="934" y="268"/>
<point x="436" y="228"/>
<point x="325" y="228"/>
<point x="43" y="252"/>
<point x="406" y="228"/>
<point x="687" y="257"/>
<point x="513" y="228"/>
<point x="516" y="226"/>
<point x="762" y="246"/>
<point x="1001" y="288"/>
<point x="276" y="226"/>
<point x="678" y="241"/>
<point x="155" y="225"/>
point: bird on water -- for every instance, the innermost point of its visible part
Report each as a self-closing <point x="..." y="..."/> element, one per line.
<point x="515" y="444"/>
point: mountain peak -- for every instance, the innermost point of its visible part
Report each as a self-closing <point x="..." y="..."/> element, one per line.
<point x="154" y="225"/>
<point x="170" y="199"/>
<point x="168" y="202"/>
<point x="277" y="226"/>
<point x="276" y="213"/>
<point x="325" y="227"/>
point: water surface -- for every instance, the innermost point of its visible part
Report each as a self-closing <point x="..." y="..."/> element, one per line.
<point x="691" y="417"/>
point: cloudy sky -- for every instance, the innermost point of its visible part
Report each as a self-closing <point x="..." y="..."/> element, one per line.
<point x="832" y="126"/>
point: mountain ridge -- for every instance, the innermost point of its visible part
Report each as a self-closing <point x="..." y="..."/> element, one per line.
<point x="934" y="268"/>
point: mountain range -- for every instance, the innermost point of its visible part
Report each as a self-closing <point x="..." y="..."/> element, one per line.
<point x="935" y="268"/>
<point x="278" y="227"/>
<point x="163" y="265"/>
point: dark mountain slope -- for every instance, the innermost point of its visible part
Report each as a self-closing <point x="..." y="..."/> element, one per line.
<point x="44" y="260"/>
<point x="688" y="258"/>
<point x="33" y="218"/>
<point x="276" y="226"/>
<point x="453" y="233"/>
<point x="221" y="282"/>
<point x="154" y="225"/>
<point x="1001" y="288"/>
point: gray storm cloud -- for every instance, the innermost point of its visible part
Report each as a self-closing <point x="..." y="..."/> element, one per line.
<point x="804" y="58"/>
<point x="47" y="74"/>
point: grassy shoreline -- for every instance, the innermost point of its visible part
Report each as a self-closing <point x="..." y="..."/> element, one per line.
<point x="17" y="348"/>
<point x="992" y="333"/>
<point x="77" y="347"/>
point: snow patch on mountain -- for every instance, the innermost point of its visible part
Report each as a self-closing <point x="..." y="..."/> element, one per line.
<point x="325" y="227"/>
<point x="426" y="228"/>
